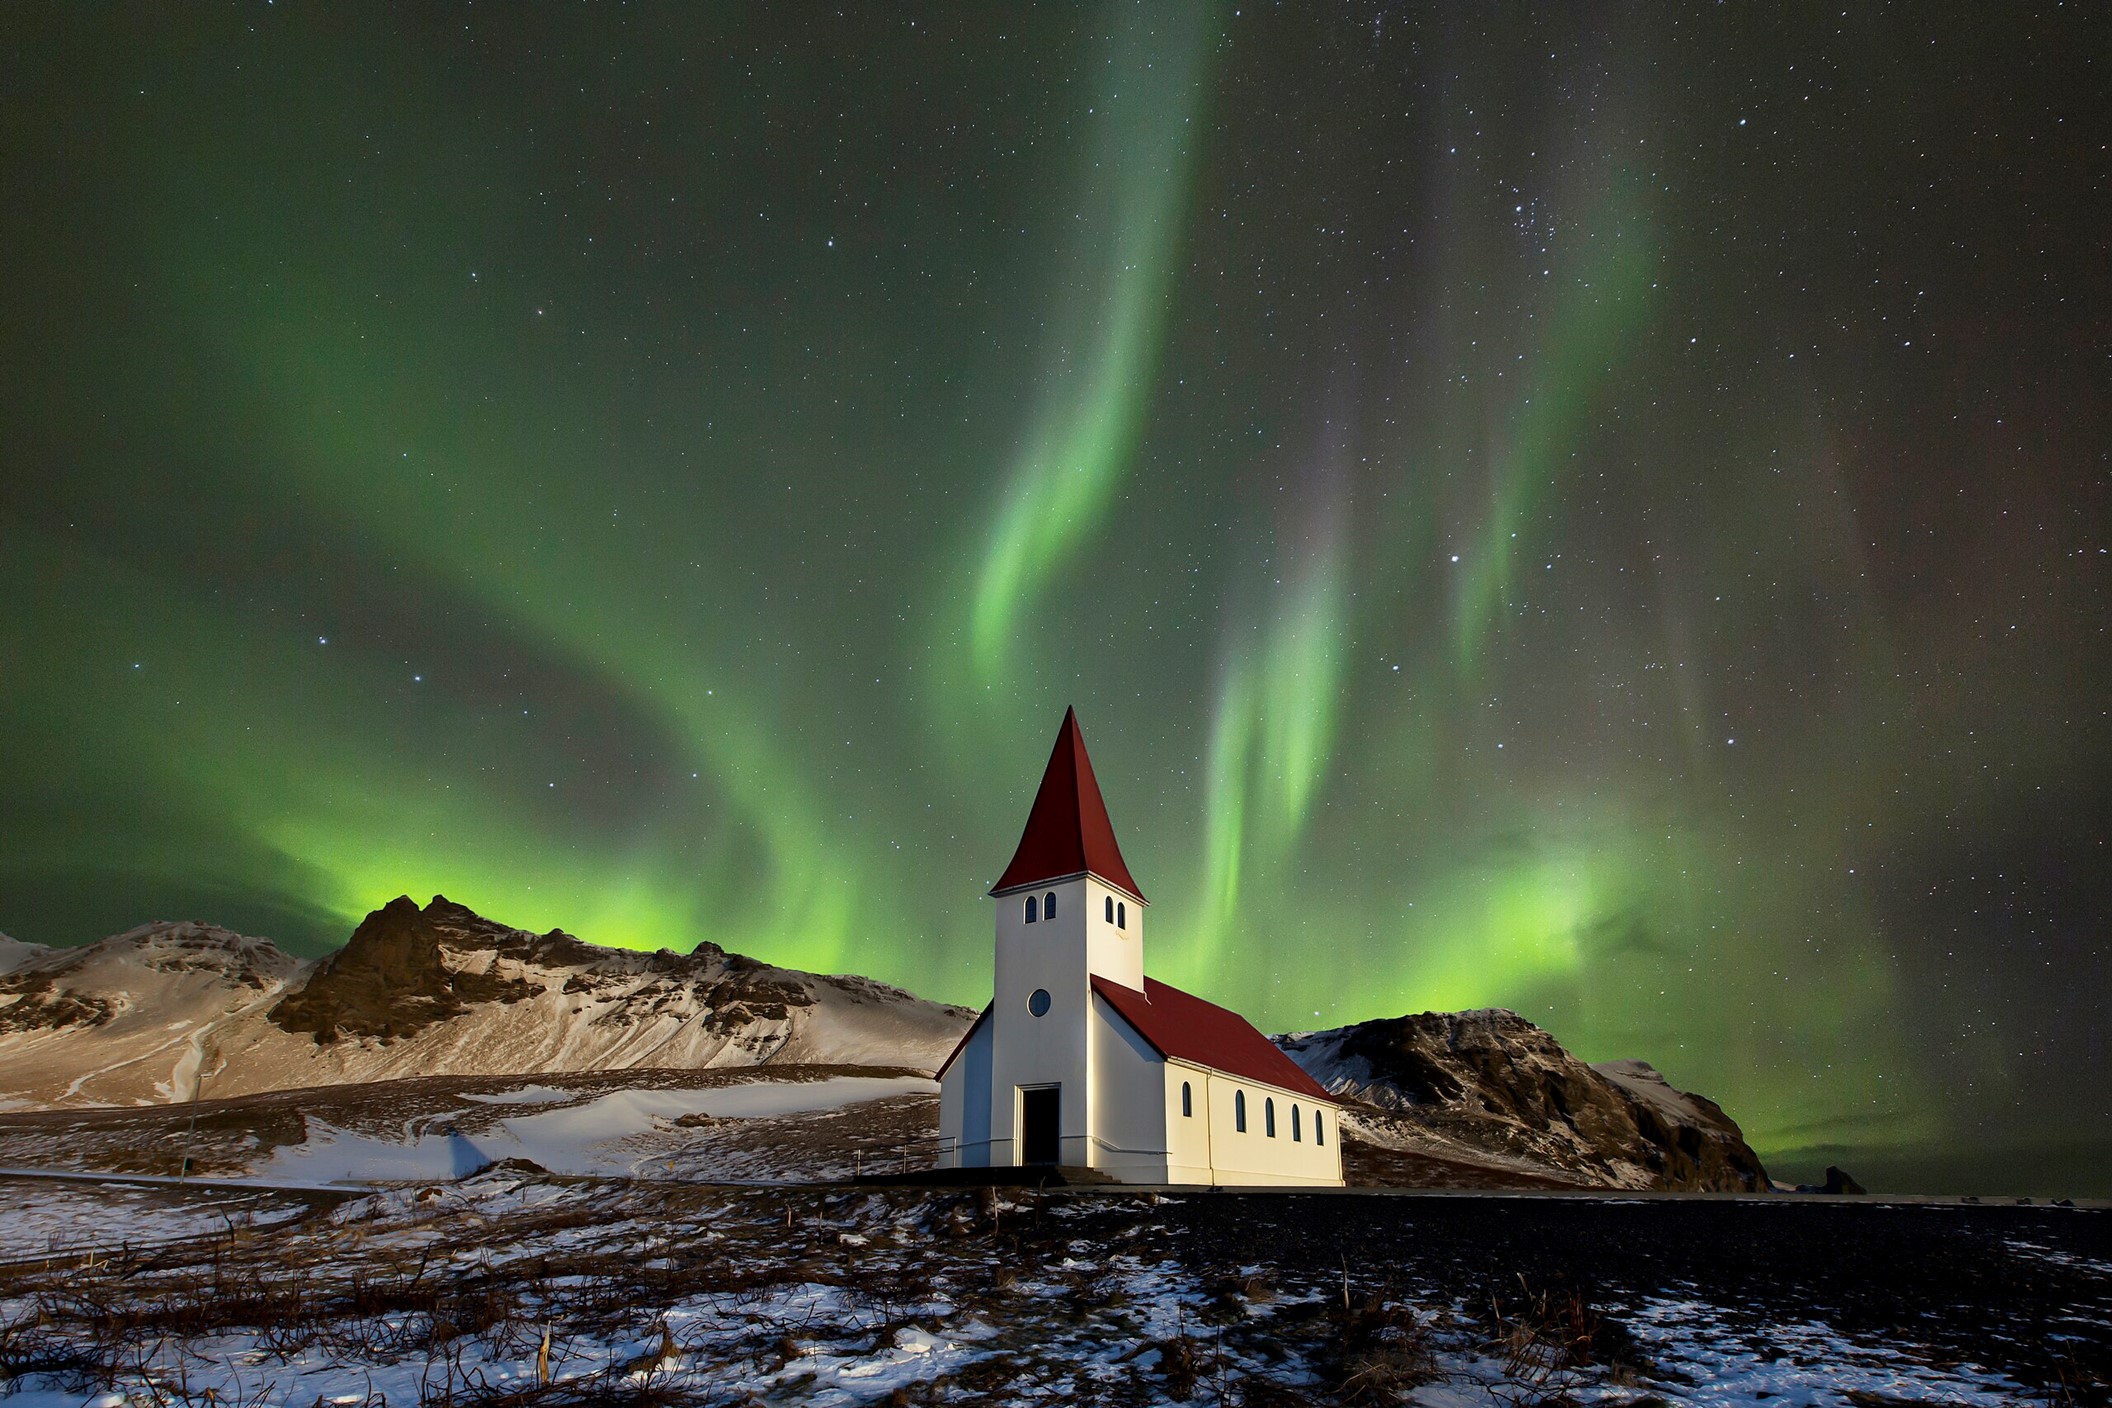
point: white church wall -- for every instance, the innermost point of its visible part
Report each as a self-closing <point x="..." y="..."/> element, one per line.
<point x="1051" y="1049"/>
<point x="1130" y="1115"/>
<point x="1252" y="1156"/>
<point x="1187" y="1134"/>
<point x="1114" y="951"/>
<point x="964" y="1105"/>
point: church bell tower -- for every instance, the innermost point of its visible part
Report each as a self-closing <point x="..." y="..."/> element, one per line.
<point x="1067" y="911"/>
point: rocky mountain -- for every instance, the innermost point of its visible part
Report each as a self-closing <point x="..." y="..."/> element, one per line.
<point x="419" y="991"/>
<point x="1489" y="1088"/>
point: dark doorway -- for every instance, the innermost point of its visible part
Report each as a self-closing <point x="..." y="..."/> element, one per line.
<point x="1038" y="1111"/>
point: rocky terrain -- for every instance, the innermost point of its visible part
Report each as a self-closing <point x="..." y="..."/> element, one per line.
<point x="1490" y="1090"/>
<point x="145" y="1015"/>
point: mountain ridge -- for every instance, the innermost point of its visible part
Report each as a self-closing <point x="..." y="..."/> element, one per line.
<point x="143" y="1016"/>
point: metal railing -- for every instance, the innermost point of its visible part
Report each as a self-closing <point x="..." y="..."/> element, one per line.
<point x="946" y="1146"/>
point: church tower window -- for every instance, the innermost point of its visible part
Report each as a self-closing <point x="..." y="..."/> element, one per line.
<point x="1187" y="1100"/>
<point x="1031" y="909"/>
<point x="1048" y="905"/>
<point x="1121" y="916"/>
<point x="1110" y="909"/>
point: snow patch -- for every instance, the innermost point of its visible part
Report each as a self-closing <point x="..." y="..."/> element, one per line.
<point x="14" y="953"/>
<point x="599" y="1138"/>
<point x="526" y="1095"/>
<point x="45" y="1219"/>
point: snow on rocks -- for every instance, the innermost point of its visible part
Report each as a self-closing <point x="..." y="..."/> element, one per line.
<point x="1802" y="1361"/>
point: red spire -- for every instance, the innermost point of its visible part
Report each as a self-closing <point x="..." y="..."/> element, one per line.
<point x="1068" y="832"/>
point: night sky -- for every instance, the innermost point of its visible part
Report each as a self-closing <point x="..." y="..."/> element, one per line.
<point x="1597" y="511"/>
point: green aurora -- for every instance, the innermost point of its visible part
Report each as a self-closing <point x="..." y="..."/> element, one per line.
<point x="1605" y="518"/>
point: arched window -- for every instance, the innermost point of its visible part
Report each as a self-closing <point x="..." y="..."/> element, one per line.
<point x="1319" y="1135"/>
<point x="1239" y="1110"/>
<point x="1268" y="1117"/>
<point x="1030" y="909"/>
<point x="1295" y="1136"/>
<point x="1110" y="909"/>
<point x="1121" y="916"/>
<point x="1187" y="1100"/>
<point x="1048" y="905"/>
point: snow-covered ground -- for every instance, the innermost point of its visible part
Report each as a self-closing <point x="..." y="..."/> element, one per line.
<point x="624" y="1133"/>
<point x="777" y="1122"/>
<point x="41" y="1218"/>
<point x="658" y="1292"/>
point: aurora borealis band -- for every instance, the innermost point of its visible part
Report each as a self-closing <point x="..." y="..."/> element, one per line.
<point x="1600" y="513"/>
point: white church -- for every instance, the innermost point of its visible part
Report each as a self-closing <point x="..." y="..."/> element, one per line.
<point x="1082" y="1061"/>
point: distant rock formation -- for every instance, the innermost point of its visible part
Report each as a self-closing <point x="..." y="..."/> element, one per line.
<point x="1490" y="1087"/>
<point x="1838" y="1181"/>
<point x="150" y="1014"/>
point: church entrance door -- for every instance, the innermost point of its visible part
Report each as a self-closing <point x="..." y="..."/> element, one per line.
<point x="1039" y="1107"/>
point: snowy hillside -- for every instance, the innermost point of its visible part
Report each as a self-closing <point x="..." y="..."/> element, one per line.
<point x="129" y="1018"/>
<point x="1490" y="1089"/>
<point x="418" y="992"/>
<point x="14" y="953"/>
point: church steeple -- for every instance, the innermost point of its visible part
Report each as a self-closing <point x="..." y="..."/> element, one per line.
<point x="1068" y="833"/>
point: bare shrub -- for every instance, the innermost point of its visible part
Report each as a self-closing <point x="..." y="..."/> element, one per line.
<point x="1380" y="1350"/>
<point x="1546" y="1337"/>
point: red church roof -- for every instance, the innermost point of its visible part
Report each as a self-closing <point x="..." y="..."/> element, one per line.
<point x="1186" y="1028"/>
<point x="1068" y="832"/>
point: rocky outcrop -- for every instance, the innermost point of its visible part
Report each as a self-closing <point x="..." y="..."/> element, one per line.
<point x="1839" y="1182"/>
<point x="406" y="969"/>
<point x="1490" y="1085"/>
<point x="394" y="977"/>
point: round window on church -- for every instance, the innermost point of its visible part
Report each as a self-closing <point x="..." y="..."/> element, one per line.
<point x="1038" y="1004"/>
